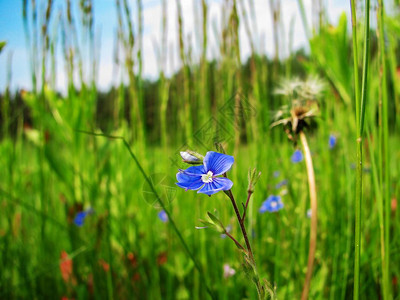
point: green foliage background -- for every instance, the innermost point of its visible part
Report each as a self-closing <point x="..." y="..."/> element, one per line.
<point x="50" y="170"/>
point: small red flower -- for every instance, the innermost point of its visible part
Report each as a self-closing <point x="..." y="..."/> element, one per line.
<point x="105" y="265"/>
<point x="66" y="267"/>
<point x="162" y="258"/>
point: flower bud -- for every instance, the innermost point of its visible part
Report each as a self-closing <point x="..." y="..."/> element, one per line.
<point x="253" y="178"/>
<point x="192" y="157"/>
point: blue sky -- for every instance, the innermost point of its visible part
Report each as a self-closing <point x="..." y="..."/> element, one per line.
<point x="11" y="30"/>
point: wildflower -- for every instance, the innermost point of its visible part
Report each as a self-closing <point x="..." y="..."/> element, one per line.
<point x="276" y="174"/>
<point x="288" y="87"/>
<point x="393" y="204"/>
<point x="281" y="184"/>
<point x="80" y="217"/>
<point x="66" y="267"/>
<point x="132" y="259"/>
<point x="332" y="141"/>
<point x="204" y="177"/>
<point x="162" y="215"/>
<point x="297" y="156"/>
<point x="105" y="265"/>
<point x="228" y="230"/>
<point x="228" y="271"/>
<point x="312" y="88"/>
<point x="272" y="204"/>
<point x="162" y="258"/>
<point x="309" y="213"/>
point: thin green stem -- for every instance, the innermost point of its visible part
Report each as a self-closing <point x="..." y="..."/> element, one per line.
<point x="365" y="69"/>
<point x="359" y="168"/>
<point x="355" y="59"/>
<point x="384" y="152"/>
<point x="359" y="181"/>
<point x="379" y="200"/>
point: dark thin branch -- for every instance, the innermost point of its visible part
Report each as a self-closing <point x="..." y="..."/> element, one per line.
<point x="249" y="193"/>
<point x="235" y="241"/>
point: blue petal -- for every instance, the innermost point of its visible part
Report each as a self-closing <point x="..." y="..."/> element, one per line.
<point x="281" y="183"/>
<point x="194" y="171"/>
<point x="190" y="178"/>
<point x="263" y="209"/>
<point x="191" y="185"/>
<point x="209" y="189"/>
<point x="80" y="218"/>
<point x="223" y="183"/>
<point x="218" y="184"/>
<point x="217" y="163"/>
<point x="182" y="177"/>
<point x="272" y="204"/>
<point x="332" y="141"/>
<point x="162" y="215"/>
<point x="297" y="156"/>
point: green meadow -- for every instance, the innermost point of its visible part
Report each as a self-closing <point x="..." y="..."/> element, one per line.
<point x="114" y="156"/>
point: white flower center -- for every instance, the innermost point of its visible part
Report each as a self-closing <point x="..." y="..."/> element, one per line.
<point x="274" y="204"/>
<point x="206" y="178"/>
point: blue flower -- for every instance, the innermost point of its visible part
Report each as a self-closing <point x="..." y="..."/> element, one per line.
<point x="272" y="204"/>
<point x="79" y="219"/>
<point x="276" y="174"/>
<point x="297" y="156"/>
<point x="204" y="177"/>
<point x="162" y="215"/>
<point x="332" y="141"/>
<point x="281" y="184"/>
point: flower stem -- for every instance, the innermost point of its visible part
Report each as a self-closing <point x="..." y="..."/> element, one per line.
<point x="249" y="193"/>
<point x="235" y="241"/>
<point x="244" y="232"/>
<point x="313" y="228"/>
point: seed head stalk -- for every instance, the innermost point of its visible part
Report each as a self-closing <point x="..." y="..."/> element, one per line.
<point x="314" y="222"/>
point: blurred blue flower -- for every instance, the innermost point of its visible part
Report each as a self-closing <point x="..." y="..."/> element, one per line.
<point x="309" y="213"/>
<point x="162" y="215"/>
<point x="332" y="141"/>
<point x="228" y="230"/>
<point x="272" y="204"/>
<point x="204" y="177"/>
<point x="297" y="156"/>
<point x="281" y="184"/>
<point x="276" y="174"/>
<point x="80" y="217"/>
